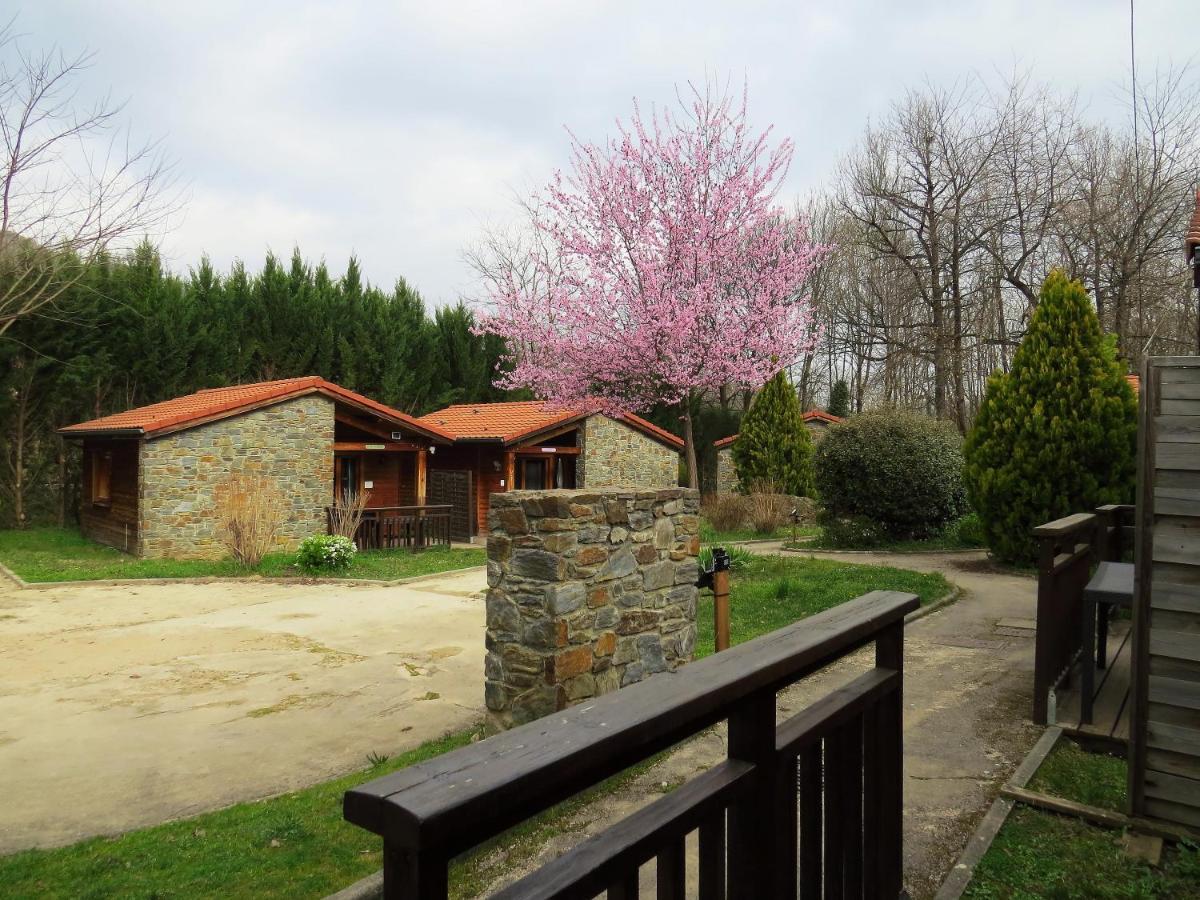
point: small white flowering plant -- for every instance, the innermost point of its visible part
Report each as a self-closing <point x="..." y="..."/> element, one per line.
<point x="326" y="553"/>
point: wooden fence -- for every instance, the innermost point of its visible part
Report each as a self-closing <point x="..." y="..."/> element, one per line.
<point x="411" y="527"/>
<point x="813" y="805"/>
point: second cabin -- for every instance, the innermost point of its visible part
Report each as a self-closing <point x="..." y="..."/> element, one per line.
<point x="529" y="445"/>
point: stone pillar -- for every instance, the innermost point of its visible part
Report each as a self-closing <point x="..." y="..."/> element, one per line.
<point x="589" y="591"/>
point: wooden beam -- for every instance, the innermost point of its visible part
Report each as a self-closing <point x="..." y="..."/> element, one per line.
<point x="510" y="469"/>
<point x="1106" y="817"/>
<point x="376" y="446"/>
<point x="547" y="451"/>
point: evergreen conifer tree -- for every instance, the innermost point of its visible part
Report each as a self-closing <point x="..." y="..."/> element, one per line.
<point x="839" y="400"/>
<point x="1056" y="434"/>
<point x="773" y="445"/>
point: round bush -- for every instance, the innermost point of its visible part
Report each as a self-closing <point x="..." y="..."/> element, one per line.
<point x="326" y="553"/>
<point x="901" y="470"/>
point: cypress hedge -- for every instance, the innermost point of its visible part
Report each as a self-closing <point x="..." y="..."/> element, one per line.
<point x="773" y="446"/>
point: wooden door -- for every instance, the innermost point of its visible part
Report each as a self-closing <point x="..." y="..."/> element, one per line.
<point x="1164" y="727"/>
<point x="456" y="488"/>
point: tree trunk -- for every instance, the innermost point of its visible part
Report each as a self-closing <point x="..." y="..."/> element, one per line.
<point x="62" y="483"/>
<point x="689" y="445"/>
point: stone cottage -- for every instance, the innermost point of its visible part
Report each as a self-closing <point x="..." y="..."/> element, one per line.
<point x="528" y="445"/>
<point x="815" y="420"/>
<point x="153" y="476"/>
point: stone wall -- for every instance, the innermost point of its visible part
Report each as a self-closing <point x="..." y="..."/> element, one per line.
<point x="289" y="444"/>
<point x="615" y="455"/>
<point x="589" y="591"/>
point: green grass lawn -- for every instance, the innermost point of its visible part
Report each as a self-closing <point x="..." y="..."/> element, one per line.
<point x="62" y="554"/>
<point x="1041" y="854"/>
<point x="769" y="592"/>
<point x="710" y="535"/>
<point x="295" y="845"/>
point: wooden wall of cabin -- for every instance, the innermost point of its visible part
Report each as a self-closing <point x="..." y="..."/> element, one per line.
<point x="1165" y="723"/>
<point x="113" y="522"/>
<point x="394" y="477"/>
<point x="486" y="464"/>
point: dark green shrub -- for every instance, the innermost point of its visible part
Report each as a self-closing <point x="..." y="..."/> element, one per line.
<point x="901" y="470"/>
<point x="967" y="531"/>
<point x="852" y="532"/>
<point x="1055" y="435"/>
<point x="773" y="445"/>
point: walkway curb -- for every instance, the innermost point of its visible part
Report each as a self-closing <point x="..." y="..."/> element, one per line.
<point x="881" y="551"/>
<point x="22" y="584"/>
<point x="952" y="596"/>
<point x="960" y="876"/>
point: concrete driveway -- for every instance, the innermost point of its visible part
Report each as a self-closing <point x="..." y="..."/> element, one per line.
<point x="127" y="706"/>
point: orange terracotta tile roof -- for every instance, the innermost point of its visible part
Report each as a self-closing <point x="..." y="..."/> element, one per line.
<point x="512" y="421"/>
<point x="813" y="415"/>
<point x="218" y="403"/>
<point x="1193" y="233"/>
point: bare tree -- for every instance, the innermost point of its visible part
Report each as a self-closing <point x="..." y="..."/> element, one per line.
<point x="72" y="185"/>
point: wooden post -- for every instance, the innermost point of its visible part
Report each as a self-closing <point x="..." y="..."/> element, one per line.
<point x="721" y="608"/>
<point x="510" y="469"/>
<point x="422" y="456"/>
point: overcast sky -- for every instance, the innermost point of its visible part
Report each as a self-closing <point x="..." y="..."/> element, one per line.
<point x="394" y="131"/>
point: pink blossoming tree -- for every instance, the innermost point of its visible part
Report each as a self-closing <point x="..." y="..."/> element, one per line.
<point x="660" y="267"/>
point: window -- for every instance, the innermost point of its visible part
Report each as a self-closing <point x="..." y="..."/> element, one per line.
<point x="102" y="477"/>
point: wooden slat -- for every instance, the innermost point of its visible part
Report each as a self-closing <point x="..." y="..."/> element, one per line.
<point x="1166" y="714"/>
<point x="1180" y="407"/>
<point x="1183" y="669"/>
<point x="835" y="778"/>
<point x="1173" y="738"/>
<point x="1178" y="457"/>
<point x="712" y="857"/>
<point x="851" y="809"/>
<point x="1173" y="763"/>
<point x="1181" y="390"/>
<point x="1177" y="429"/>
<point x="625" y="888"/>
<point x="1174" y="645"/>
<point x="671" y="874"/>
<point x="1172" y="812"/>
<point x="811" y="816"/>
<point x="1178" y="598"/>
<point x="1181" y="370"/>
<point x="1172" y="620"/>
<point x="1175" y="692"/>
<point x="1176" y="502"/>
<point x="1177" y="540"/>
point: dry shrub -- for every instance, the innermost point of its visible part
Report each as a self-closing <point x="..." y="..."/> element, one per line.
<point x="725" y="512"/>
<point x="769" y="509"/>
<point x="347" y="512"/>
<point x="249" y="515"/>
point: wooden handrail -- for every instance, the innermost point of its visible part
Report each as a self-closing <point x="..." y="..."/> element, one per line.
<point x="429" y="813"/>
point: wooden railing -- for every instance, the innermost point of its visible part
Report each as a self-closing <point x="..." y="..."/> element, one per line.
<point x="412" y="527"/>
<point x="813" y="804"/>
<point x="1069" y="547"/>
